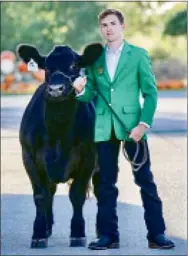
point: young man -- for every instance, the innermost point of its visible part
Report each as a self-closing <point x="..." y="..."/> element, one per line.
<point x="120" y="74"/>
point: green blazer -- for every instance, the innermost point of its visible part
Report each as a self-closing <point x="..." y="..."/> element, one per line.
<point x="133" y="75"/>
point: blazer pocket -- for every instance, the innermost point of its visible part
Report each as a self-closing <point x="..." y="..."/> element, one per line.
<point x="132" y="86"/>
<point x="130" y="109"/>
<point x="100" y="111"/>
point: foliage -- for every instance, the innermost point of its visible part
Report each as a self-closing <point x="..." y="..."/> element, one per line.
<point x="140" y="16"/>
<point x="47" y="23"/>
<point x="169" y="69"/>
<point x="177" y="25"/>
<point x="159" y="53"/>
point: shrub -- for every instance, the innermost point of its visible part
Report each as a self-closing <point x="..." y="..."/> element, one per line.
<point x="170" y="69"/>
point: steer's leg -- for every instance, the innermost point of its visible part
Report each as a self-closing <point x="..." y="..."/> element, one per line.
<point x="44" y="205"/>
<point x="77" y="195"/>
<point x="39" y="237"/>
<point x="50" y="216"/>
<point x="42" y="228"/>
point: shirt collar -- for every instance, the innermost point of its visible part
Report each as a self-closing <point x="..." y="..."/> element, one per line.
<point x="118" y="50"/>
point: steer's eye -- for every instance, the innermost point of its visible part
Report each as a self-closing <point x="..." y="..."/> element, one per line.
<point x="72" y="67"/>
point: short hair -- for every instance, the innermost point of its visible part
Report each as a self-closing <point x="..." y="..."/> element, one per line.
<point x="115" y="12"/>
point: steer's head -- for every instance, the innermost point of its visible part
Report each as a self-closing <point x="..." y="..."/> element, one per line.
<point x="62" y="66"/>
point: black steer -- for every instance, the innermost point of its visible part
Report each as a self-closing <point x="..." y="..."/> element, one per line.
<point x="56" y="137"/>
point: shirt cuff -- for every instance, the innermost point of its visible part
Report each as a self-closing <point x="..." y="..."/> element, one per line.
<point x="147" y="125"/>
<point x="80" y="93"/>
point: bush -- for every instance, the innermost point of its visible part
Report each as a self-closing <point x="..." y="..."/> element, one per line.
<point x="170" y="69"/>
<point x="159" y="53"/>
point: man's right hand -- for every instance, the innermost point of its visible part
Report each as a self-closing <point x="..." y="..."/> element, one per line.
<point x="79" y="83"/>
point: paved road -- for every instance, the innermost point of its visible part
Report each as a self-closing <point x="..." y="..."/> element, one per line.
<point x="171" y="114"/>
<point x="167" y="140"/>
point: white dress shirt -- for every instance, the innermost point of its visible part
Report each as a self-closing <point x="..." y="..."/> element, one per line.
<point x="112" y="59"/>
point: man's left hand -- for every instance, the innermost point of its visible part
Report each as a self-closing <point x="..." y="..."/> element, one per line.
<point x="138" y="132"/>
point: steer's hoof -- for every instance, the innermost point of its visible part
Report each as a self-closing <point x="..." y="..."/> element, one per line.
<point x="39" y="243"/>
<point x="49" y="232"/>
<point x="77" y="241"/>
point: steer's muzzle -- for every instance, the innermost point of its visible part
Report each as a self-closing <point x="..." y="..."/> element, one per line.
<point x="56" y="90"/>
<point x="59" y="87"/>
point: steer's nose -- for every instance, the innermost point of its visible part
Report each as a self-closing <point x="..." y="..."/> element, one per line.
<point x="56" y="90"/>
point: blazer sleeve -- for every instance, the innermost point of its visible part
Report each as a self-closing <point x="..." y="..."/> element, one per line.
<point x="148" y="88"/>
<point x="89" y="93"/>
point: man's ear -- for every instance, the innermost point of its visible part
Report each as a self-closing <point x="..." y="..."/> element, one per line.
<point x="90" y="55"/>
<point x="27" y="52"/>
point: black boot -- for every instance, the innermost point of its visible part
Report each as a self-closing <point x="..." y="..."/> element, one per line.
<point x="160" y="242"/>
<point x="104" y="242"/>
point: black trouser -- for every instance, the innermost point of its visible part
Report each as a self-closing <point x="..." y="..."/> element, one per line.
<point x="107" y="220"/>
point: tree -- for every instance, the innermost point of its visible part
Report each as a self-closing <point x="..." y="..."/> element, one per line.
<point x="177" y="25"/>
<point x="140" y="16"/>
<point x="45" y="24"/>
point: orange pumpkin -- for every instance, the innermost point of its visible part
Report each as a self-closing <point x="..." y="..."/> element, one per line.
<point x="5" y="87"/>
<point x="9" y="79"/>
<point x="161" y="85"/>
<point x="39" y="75"/>
<point x="170" y="84"/>
<point x="21" y="86"/>
<point x="22" y="67"/>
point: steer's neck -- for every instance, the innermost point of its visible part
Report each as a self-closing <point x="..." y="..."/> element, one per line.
<point x="60" y="118"/>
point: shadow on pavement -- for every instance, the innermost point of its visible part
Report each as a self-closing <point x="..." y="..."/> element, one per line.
<point x="177" y="123"/>
<point x="17" y="214"/>
<point x="11" y="118"/>
<point x="180" y="94"/>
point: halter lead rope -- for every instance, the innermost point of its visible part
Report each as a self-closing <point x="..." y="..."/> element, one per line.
<point x="135" y="166"/>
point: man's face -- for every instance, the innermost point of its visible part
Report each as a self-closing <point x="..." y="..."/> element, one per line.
<point x="111" y="28"/>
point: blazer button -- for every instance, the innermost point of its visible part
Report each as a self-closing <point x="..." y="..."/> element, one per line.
<point x="110" y="104"/>
<point x="112" y="89"/>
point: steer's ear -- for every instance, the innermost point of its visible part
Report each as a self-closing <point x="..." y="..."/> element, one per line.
<point x="90" y="55"/>
<point x="27" y="52"/>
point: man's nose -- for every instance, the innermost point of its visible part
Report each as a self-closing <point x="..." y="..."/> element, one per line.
<point x="109" y="29"/>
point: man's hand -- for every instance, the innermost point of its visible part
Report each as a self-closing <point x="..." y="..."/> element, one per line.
<point x="79" y="83"/>
<point x="138" y="132"/>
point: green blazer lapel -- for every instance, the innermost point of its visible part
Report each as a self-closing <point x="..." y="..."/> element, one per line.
<point x="123" y="60"/>
<point x="101" y="67"/>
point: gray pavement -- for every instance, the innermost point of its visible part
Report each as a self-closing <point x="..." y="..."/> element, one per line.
<point x="167" y="141"/>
